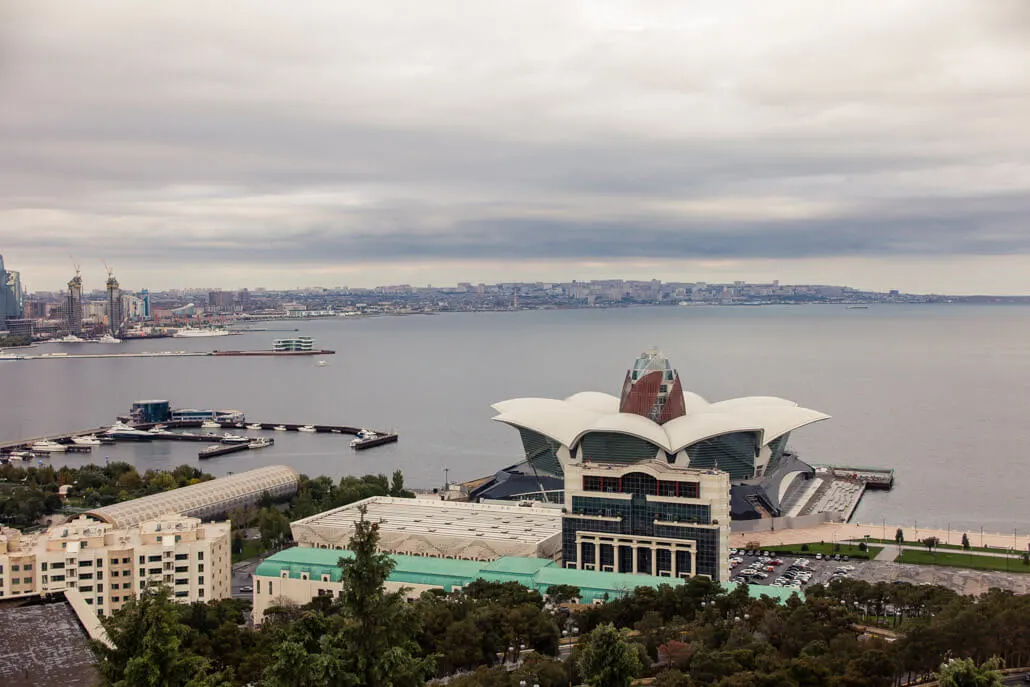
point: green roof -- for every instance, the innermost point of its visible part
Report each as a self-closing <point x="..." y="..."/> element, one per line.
<point x="535" y="573"/>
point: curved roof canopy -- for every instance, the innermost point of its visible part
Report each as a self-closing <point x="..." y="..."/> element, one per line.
<point x="568" y="421"/>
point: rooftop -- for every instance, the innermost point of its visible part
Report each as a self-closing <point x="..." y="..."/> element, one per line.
<point x="202" y="499"/>
<point x="44" y="646"/>
<point x="449" y="574"/>
<point x="519" y="524"/>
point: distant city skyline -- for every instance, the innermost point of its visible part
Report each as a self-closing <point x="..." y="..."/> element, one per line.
<point x="325" y="143"/>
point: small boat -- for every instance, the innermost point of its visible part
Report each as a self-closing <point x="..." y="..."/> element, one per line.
<point x="254" y="426"/>
<point x="280" y="428"/>
<point x="46" y="446"/>
<point x="366" y="434"/>
<point x="235" y="439"/>
<point x="70" y="338"/>
<point x="262" y="442"/>
<point x="88" y="440"/>
<point x="211" y="424"/>
<point x="307" y="428"/>
<point x="107" y="339"/>
<point x="157" y="429"/>
<point x="355" y="442"/>
<point x="322" y="363"/>
<point x="124" y="432"/>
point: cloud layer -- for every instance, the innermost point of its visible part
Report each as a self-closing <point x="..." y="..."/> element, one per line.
<point x="347" y="142"/>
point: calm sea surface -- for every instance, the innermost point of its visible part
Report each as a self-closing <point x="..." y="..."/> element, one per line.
<point x="938" y="392"/>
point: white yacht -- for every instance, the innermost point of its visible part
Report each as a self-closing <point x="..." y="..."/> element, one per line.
<point x="254" y="426"/>
<point x="124" y="432"/>
<point x="211" y="424"/>
<point x="107" y="338"/>
<point x="280" y="428"/>
<point x="228" y="438"/>
<point x="307" y="428"/>
<point x="88" y="440"/>
<point x="48" y="447"/>
<point x="261" y="442"/>
<point x="70" y="338"/>
<point x="157" y="429"/>
<point x="366" y="434"/>
<point x="192" y="333"/>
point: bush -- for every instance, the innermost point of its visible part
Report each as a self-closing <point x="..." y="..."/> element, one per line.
<point x="804" y="547"/>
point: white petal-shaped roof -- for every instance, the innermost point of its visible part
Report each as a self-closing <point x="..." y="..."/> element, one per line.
<point x="778" y="420"/>
<point x="750" y="401"/>
<point x="629" y="423"/>
<point x="596" y="401"/>
<point x="567" y="421"/>
<point x="555" y="419"/>
<point x="694" y="403"/>
<point x="689" y="429"/>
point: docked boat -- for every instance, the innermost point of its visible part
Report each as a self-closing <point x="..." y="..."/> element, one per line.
<point x="88" y="440"/>
<point x="255" y="426"/>
<point x="70" y="338"/>
<point x="234" y="439"/>
<point x="157" y="429"/>
<point x="307" y="428"/>
<point x="123" y="432"/>
<point x="280" y="428"/>
<point x="193" y="333"/>
<point x="262" y="442"/>
<point x="107" y="338"/>
<point x="211" y="424"/>
<point x="366" y="434"/>
<point x="48" y="447"/>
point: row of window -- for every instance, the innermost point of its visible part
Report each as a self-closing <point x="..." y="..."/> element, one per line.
<point x="641" y="483"/>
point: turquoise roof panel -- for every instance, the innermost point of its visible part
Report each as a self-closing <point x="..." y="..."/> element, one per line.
<point x="535" y="573"/>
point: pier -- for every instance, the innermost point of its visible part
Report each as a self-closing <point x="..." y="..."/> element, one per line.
<point x="65" y="438"/>
<point x="163" y="354"/>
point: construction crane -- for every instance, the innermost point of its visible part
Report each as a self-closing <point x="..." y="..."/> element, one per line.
<point x="75" y="264"/>
<point x="109" y="270"/>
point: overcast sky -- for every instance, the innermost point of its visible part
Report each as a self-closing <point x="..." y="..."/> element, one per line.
<point x="879" y="144"/>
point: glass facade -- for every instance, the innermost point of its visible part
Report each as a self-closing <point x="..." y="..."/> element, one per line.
<point x="776" y="448"/>
<point x="541" y="452"/>
<point x="637" y="518"/>
<point x="734" y="453"/>
<point x="615" y="448"/>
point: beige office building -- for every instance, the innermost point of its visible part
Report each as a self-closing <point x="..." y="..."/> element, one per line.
<point x="109" y="566"/>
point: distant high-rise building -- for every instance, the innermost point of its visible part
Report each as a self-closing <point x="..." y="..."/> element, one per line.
<point x="144" y="297"/>
<point x="7" y="301"/>
<point x="220" y="301"/>
<point x="73" y="307"/>
<point x="114" y="305"/>
<point x="244" y="300"/>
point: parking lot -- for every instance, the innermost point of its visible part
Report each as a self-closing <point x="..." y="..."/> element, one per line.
<point x="787" y="570"/>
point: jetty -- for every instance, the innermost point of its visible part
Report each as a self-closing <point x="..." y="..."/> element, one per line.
<point x="65" y="438"/>
<point x="163" y="354"/>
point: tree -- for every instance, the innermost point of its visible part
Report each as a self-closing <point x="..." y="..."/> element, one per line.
<point x="378" y="634"/>
<point x="397" y="486"/>
<point x="899" y="537"/>
<point x="148" y="646"/>
<point x="930" y="543"/>
<point x="274" y="527"/>
<point x="965" y="673"/>
<point x="862" y="546"/>
<point x="607" y="659"/>
<point x="563" y="593"/>
<point x="965" y="541"/>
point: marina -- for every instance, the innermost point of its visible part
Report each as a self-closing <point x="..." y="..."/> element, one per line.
<point x="72" y="442"/>
<point x="165" y="354"/>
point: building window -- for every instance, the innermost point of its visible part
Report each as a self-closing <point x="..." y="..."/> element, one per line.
<point x="142" y="572"/>
<point x="200" y="593"/>
<point x="154" y="559"/>
<point x="42" y="566"/>
<point x="100" y="574"/>
<point x="100" y="588"/>
<point x="269" y="586"/>
<point x="142" y="559"/>
<point x="55" y="566"/>
<point x="15" y="568"/>
<point x="200" y="580"/>
<point x="100" y="562"/>
<point x="85" y="563"/>
<point x="89" y="601"/>
<point x="125" y="561"/>
<point x="200" y="567"/>
<point x="15" y="580"/>
<point x="200" y="555"/>
<point x="57" y="578"/>
<point x="116" y="599"/>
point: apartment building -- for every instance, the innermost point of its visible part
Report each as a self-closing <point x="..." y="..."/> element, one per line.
<point x="109" y="566"/>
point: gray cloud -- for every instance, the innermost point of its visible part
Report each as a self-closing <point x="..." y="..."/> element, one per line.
<point x="331" y="134"/>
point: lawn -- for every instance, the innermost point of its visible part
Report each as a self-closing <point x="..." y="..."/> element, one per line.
<point x="252" y="548"/>
<point x="827" y="548"/>
<point x="950" y="547"/>
<point x="961" y="560"/>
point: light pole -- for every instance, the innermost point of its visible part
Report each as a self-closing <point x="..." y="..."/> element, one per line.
<point x="446" y="481"/>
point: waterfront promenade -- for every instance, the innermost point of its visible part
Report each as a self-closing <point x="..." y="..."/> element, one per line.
<point x="841" y="532"/>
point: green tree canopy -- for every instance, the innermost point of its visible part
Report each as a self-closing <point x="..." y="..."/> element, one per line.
<point x="608" y="659"/>
<point x="965" y="673"/>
